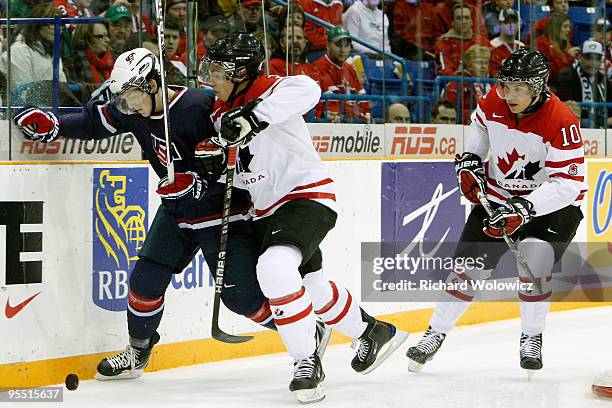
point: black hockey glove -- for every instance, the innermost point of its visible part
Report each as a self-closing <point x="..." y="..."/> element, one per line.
<point x="211" y="159"/>
<point x="239" y="125"/>
<point x="470" y="176"/>
<point x="509" y="217"/>
<point x="187" y="189"/>
<point x="36" y="124"/>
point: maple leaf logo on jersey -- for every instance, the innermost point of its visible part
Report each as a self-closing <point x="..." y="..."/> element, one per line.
<point x="514" y="161"/>
<point x="245" y="157"/>
<point x="505" y="165"/>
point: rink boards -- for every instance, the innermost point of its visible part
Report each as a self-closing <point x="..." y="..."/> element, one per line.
<point x="73" y="230"/>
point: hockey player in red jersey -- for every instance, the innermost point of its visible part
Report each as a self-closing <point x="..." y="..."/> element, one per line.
<point x="294" y="202"/>
<point x="534" y="181"/>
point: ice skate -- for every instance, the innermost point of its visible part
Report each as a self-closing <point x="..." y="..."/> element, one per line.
<point x="378" y="342"/>
<point x="308" y="376"/>
<point x="425" y="349"/>
<point x="531" y="353"/>
<point x="127" y="364"/>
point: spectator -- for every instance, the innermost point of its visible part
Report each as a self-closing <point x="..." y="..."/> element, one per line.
<point x="21" y="8"/>
<point x="215" y="28"/>
<point x="93" y="60"/>
<point x="477" y="59"/>
<point x="603" y="35"/>
<point x="363" y="19"/>
<point x="413" y="30"/>
<point x="537" y="29"/>
<point x="177" y="9"/>
<point x="574" y="107"/>
<point x="555" y="45"/>
<point x="73" y="8"/>
<point x="444" y="113"/>
<point x="297" y="16"/>
<point x="172" y="37"/>
<point x="492" y="12"/>
<point x="582" y="82"/>
<point x="249" y="18"/>
<point x="32" y="53"/>
<point x="176" y="71"/>
<point x="119" y="20"/>
<point x="450" y="47"/>
<point x="397" y="113"/>
<point x="326" y="10"/>
<point x="443" y="17"/>
<point x="506" y="43"/>
<point x="339" y="77"/>
<point x="290" y="55"/>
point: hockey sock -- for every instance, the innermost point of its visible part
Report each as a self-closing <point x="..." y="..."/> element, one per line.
<point x="281" y="283"/>
<point x="263" y="316"/>
<point x="334" y="305"/>
<point x="139" y="343"/>
<point x="534" y="305"/>
<point x="148" y="283"/>
<point x="448" y="310"/>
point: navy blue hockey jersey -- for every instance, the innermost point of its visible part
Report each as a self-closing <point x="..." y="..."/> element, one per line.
<point x="190" y="123"/>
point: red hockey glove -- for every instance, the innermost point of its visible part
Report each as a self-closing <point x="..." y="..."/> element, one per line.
<point x="37" y="125"/>
<point x="212" y="160"/>
<point x="188" y="188"/>
<point x="509" y="217"/>
<point x="470" y="176"/>
<point x="239" y="125"/>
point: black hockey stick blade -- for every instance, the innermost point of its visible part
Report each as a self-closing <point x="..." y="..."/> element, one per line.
<point x="220" y="335"/>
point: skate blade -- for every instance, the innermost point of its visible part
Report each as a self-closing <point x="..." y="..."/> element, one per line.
<point x="310" y="396"/>
<point x="530" y="374"/>
<point x="324" y="342"/>
<point x="388" y="349"/>
<point x="126" y="375"/>
<point x="414" y="366"/>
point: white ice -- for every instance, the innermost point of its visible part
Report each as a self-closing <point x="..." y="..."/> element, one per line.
<point x="477" y="367"/>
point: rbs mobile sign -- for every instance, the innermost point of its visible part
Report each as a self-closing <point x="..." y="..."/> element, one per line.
<point x="120" y="202"/>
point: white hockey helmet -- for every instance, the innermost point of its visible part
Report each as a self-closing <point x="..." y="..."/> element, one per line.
<point x="133" y="69"/>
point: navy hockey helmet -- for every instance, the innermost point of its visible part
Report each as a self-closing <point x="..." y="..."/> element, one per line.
<point x="241" y="55"/>
<point x="526" y="65"/>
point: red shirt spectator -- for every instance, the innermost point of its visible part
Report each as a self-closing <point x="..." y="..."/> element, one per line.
<point x="327" y="11"/>
<point x="73" y="8"/>
<point x="559" y="6"/>
<point x="414" y="23"/>
<point x="278" y="63"/>
<point x="555" y="45"/>
<point x="443" y="19"/>
<point x="506" y="43"/>
<point x="450" y="47"/>
<point x="339" y="77"/>
<point x="477" y="60"/>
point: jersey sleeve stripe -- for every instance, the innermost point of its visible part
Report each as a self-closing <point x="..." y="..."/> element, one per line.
<point x="480" y="119"/>
<point x="568" y="177"/>
<point x="559" y="164"/>
<point x="105" y="118"/>
<point x="311" y="185"/>
<point x="557" y="155"/>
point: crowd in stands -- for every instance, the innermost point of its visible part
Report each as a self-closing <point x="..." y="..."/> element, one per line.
<point x="467" y="40"/>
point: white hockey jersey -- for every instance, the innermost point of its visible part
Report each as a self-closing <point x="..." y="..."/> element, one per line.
<point x="280" y="163"/>
<point x="541" y="157"/>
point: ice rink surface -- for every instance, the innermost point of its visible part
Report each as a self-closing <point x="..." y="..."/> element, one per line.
<point x="477" y="367"/>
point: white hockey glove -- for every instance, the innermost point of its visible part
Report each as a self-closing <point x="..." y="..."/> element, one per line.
<point x="212" y="159"/>
<point x="509" y="217"/>
<point x="36" y="124"/>
<point x="470" y="176"/>
<point x="239" y="125"/>
<point x="188" y="188"/>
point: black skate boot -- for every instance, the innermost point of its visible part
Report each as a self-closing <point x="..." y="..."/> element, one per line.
<point x="127" y="364"/>
<point x="531" y="353"/>
<point x="307" y="380"/>
<point x="323" y="333"/>
<point x="425" y="349"/>
<point x="378" y="342"/>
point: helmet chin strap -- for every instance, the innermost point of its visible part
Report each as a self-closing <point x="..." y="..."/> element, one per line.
<point x="536" y="102"/>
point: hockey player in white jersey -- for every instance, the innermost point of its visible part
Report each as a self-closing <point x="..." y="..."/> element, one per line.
<point x="294" y="203"/>
<point x="534" y="181"/>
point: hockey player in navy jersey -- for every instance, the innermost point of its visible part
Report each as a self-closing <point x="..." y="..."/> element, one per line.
<point x="535" y="183"/>
<point x="294" y="199"/>
<point x="189" y="217"/>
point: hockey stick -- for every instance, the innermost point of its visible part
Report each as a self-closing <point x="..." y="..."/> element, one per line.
<point x="520" y="258"/>
<point x="161" y="44"/>
<point x="215" y="331"/>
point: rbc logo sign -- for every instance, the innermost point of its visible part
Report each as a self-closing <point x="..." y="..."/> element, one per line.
<point x="602" y="197"/>
<point x="119" y="223"/>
